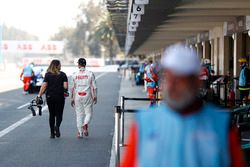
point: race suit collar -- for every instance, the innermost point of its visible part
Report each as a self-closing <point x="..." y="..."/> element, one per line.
<point x="82" y="68"/>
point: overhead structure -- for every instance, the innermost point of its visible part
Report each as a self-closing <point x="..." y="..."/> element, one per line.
<point x="154" y="24"/>
<point x="148" y="15"/>
<point x="118" y="10"/>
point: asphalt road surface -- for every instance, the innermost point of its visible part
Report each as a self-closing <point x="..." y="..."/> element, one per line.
<point x="24" y="140"/>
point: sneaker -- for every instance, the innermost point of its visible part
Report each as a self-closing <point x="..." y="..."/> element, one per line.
<point x="52" y="135"/>
<point x="79" y="135"/>
<point x="57" y="132"/>
<point x="85" y="130"/>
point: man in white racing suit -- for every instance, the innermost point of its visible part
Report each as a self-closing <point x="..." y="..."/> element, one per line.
<point x="83" y="96"/>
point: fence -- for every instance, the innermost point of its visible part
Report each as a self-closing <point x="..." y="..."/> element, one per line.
<point x="220" y="96"/>
<point x="120" y="122"/>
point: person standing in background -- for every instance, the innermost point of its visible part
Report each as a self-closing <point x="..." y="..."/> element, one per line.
<point x="244" y="79"/>
<point x="151" y="78"/>
<point x="144" y="75"/>
<point x="26" y="76"/>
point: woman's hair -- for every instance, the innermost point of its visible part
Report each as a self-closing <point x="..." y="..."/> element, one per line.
<point x="54" y="67"/>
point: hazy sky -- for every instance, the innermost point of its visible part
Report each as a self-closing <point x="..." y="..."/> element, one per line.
<point x="39" y="17"/>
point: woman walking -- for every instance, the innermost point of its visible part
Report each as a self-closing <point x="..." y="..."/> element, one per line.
<point x="55" y="84"/>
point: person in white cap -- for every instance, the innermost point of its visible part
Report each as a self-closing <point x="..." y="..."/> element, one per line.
<point x="182" y="132"/>
<point x="83" y="96"/>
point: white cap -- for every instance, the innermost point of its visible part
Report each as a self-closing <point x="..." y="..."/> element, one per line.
<point x="207" y="61"/>
<point x="182" y="60"/>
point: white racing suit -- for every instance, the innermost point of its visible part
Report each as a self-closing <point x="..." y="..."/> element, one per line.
<point x="84" y="90"/>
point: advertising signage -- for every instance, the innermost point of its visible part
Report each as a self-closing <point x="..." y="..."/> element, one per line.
<point x="36" y="47"/>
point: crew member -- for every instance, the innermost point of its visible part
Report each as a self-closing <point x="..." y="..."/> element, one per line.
<point x="204" y="76"/>
<point x="26" y="76"/>
<point x="56" y="87"/>
<point x="83" y="96"/>
<point x="151" y="78"/>
<point x="144" y="76"/>
<point x="183" y="131"/>
<point x="244" y="79"/>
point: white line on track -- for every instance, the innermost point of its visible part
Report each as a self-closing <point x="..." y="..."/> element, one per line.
<point x="19" y="123"/>
<point x="22" y="106"/>
<point x="101" y="75"/>
<point x="28" y="117"/>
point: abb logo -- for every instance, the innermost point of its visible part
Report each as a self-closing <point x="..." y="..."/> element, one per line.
<point x="49" y="47"/>
<point x="42" y="47"/>
<point x="24" y="47"/>
<point x="45" y="47"/>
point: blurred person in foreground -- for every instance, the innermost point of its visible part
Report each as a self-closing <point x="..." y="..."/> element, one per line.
<point x="56" y="87"/>
<point x="26" y="76"/>
<point x="83" y="96"/>
<point x="182" y="132"/>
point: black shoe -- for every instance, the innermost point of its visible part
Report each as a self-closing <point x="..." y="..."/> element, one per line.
<point x="57" y="132"/>
<point x="52" y="135"/>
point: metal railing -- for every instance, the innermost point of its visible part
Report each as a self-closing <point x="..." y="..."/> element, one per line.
<point x="120" y="122"/>
<point x="117" y="135"/>
<point x="218" y="86"/>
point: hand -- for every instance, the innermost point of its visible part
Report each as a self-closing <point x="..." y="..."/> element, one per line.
<point x="73" y="103"/>
<point x="95" y="100"/>
<point x="66" y="93"/>
<point x="39" y="100"/>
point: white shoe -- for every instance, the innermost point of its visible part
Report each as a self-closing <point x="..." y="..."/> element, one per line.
<point x="79" y="135"/>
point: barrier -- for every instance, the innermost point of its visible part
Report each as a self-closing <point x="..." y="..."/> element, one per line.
<point x="119" y="124"/>
<point x="217" y="86"/>
<point x="216" y="94"/>
<point x="123" y="110"/>
<point x="117" y="135"/>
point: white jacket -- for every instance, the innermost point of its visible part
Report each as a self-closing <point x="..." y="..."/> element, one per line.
<point x="84" y="85"/>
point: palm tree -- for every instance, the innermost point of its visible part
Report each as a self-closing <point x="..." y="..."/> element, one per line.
<point x="104" y="32"/>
